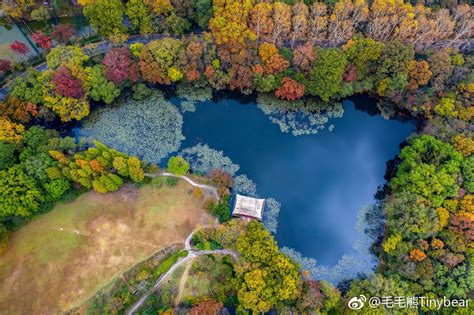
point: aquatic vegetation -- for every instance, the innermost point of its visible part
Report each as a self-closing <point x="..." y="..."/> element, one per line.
<point x="301" y="117"/>
<point x="187" y="106"/>
<point x="192" y="93"/>
<point x="150" y="129"/>
<point x="203" y="159"/>
<point x="270" y="215"/>
<point x="244" y="185"/>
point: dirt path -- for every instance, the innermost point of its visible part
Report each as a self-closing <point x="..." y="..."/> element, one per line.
<point x="210" y="189"/>
<point x="191" y="255"/>
<point x="182" y="281"/>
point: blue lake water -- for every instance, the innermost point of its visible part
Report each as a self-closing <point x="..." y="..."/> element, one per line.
<point x="320" y="180"/>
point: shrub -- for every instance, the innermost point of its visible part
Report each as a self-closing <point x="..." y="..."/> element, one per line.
<point x="172" y="181"/>
<point x="222" y="210"/>
<point x="178" y="166"/>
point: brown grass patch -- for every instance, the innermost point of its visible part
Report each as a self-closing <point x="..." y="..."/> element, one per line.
<point x="62" y="258"/>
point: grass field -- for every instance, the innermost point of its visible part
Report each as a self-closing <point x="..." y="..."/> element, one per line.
<point x="62" y="258"/>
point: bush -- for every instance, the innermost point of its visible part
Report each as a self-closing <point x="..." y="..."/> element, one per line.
<point x="222" y="210"/>
<point x="4" y="239"/>
<point x="169" y="262"/>
<point x="157" y="182"/>
<point x="172" y="181"/>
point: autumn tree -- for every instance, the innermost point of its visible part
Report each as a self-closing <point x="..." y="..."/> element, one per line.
<point x="42" y="40"/>
<point x="430" y="27"/>
<point x="10" y="132"/>
<point x="16" y="9"/>
<point x="390" y="20"/>
<point x="119" y="66"/>
<point x="266" y="277"/>
<point x="304" y="57"/>
<point x="158" y="57"/>
<point x="97" y="168"/>
<point x="18" y="110"/>
<point x="261" y="21"/>
<point x="317" y="23"/>
<point x="62" y="33"/>
<point x="229" y="23"/>
<point x="419" y="73"/>
<point x="207" y="307"/>
<point x="65" y="84"/>
<point x="299" y="23"/>
<point x="441" y="68"/>
<point x="290" y="89"/>
<point x="344" y="20"/>
<point x="281" y="22"/>
<point x="464" y="23"/>
<point x="5" y="65"/>
<point x="19" y="48"/>
<point x="272" y="60"/>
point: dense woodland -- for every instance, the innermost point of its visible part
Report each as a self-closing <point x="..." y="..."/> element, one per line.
<point x="406" y="55"/>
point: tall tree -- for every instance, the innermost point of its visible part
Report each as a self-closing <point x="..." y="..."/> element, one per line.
<point x="328" y="71"/>
<point x="105" y="16"/>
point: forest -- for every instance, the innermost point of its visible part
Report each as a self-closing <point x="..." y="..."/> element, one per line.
<point x="414" y="58"/>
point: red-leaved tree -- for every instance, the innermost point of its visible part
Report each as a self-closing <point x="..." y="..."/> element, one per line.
<point x="351" y="74"/>
<point x="119" y="66"/>
<point x="65" y="84"/>
<point x="290" y="89"/>
<point x="5" y="65"/>
<point x="42" y="40"/>
<point x="19" y="48"/>
<point x="62" y="33"/>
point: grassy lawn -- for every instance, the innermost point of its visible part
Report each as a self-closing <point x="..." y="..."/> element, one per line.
<point x="62" y="258"/>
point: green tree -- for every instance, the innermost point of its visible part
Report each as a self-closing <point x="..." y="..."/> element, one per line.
<point x="327" y="73"/>
<point x="468" y="173"/>
<point x="19" y="195"/>
<point x="101" y="88"/>
<point x="363" y="53"/>
<point x="7" y="155"/>
<point x="69" y="55"/>
<point x="57" y="188"/>
<point x="203" y="12"/>
<point x="429" y="168"/>
<point x="177" y="165"/>
<point x="139" y="16"/>
<point x="41" y="14"/>
<point x="105" y="16"/>
<point x="29" y="88"/>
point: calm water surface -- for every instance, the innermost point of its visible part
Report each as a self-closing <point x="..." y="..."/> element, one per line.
<point x="320" y="180"/>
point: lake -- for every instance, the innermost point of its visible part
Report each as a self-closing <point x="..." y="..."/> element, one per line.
<point x="321" y="180"/>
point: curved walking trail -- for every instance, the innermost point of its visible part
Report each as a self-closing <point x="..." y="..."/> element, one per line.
<point x="211" y="189"/>
<point x="191" y="255"/>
